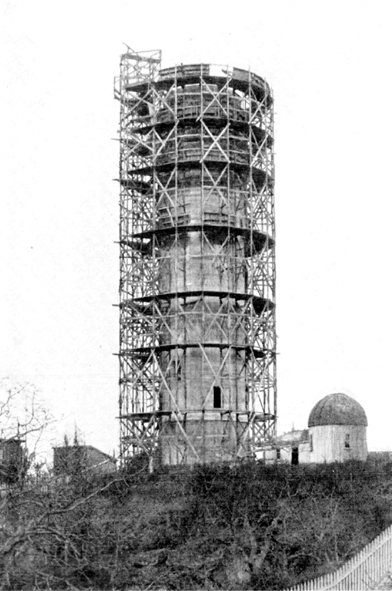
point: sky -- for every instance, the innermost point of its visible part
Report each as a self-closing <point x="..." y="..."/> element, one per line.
<point x="328" y="63"/>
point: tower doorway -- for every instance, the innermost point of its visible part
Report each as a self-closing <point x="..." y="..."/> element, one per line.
<point x="294" y="456"/>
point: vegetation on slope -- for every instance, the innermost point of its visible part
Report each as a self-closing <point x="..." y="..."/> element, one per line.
<point x="248" y="526"/>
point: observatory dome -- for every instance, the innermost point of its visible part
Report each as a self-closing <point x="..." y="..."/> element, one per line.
<point x="337" y="409"/>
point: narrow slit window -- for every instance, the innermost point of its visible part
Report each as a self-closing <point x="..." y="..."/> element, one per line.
<point x="311" y="442"/>
<point x="217" y="397"/>
<point x="347" y="441"/>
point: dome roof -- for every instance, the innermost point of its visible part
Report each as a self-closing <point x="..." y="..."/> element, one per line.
<point x="337" y="409"/>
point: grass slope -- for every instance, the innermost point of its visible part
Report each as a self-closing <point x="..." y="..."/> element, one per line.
<point x="248" y="526"/>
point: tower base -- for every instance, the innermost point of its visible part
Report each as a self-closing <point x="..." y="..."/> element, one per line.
<point x="203" y="441"/>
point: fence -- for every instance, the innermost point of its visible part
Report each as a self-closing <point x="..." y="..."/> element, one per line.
<point x="366" y="570"/>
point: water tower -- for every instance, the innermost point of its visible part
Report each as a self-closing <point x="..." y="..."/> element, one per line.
<point x="197" y="261"/>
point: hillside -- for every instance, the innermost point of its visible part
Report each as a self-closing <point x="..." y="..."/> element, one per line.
<point x="249" y="526"/>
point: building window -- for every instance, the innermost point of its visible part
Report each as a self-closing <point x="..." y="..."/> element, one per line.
<point x="217" y="397"/>
<point x="347" y="441"/>
<point x="311" y="442"/>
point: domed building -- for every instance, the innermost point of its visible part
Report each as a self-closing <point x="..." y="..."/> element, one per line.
<point x="337" y="430"/>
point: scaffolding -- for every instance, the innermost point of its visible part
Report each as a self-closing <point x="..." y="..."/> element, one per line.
<point x="197" y="351"/>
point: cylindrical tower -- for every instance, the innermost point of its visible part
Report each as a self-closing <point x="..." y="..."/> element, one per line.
<point x="197" y="251"/>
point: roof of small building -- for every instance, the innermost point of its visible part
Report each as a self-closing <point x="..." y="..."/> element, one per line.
<point x="337" y="409"/>
<point x="71" y="448"/>
<point x="294" y="436"/>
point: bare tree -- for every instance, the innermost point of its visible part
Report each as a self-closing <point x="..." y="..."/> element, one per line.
<point x="22" y="411"/>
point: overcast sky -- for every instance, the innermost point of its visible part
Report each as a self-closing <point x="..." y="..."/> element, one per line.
<point x="329" y="63"/>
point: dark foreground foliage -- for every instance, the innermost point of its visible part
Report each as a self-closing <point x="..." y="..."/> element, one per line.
<point x="248" y="526"/>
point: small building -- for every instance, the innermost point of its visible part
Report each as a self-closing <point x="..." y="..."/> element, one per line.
<point x="293" y="447"/>
<point x="337" y="430"/>
<point x="12" y="464"/>
<point x="336" y="433"/>
<point x="70" y="459"/>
